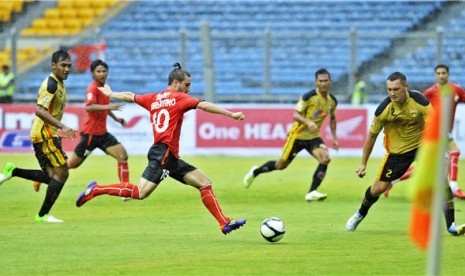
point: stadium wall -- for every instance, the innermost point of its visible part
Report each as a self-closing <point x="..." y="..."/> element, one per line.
<point x="262" y="133"/>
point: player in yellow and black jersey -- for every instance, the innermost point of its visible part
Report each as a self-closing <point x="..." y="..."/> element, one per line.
<point x="402" y="123"/>
<point x="402" y="115"/>
<point x="52" y="97"/>
<point x="309" y="113"/>
<point x="51" y="101"/>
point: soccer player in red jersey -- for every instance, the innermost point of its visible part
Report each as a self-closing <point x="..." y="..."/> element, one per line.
<point x="442" y="78"/>
<point x="167" y="110"/>
<point x="94" y="133"/>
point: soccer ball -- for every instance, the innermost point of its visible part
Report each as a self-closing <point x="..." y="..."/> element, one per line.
<point x="272" y="229"/>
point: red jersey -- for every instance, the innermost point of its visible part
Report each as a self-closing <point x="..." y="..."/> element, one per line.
<point x="458" y="97"/>
<point x="96" y="121"/>
<point x="167" y="110"/>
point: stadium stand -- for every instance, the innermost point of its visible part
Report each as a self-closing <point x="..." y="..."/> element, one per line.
<point x="9" y="12"/>
<point x="24" y="54"/>
<point x="142" y="42"/>
<point x="415" y="62"/>
<point x="239" y="62"/>
<point x="67" y="18"/>
<point x="8" y="9"/>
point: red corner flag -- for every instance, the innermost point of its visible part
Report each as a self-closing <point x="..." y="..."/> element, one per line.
<point x="430" y="154"/>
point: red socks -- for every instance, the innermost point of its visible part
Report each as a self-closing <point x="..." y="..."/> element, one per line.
<point x="120" y="189"/>
<point x="132" y="191"/>
<point x="123" y="171"/>
<point x="453" y="166"/>
<point x="209" y="200"/>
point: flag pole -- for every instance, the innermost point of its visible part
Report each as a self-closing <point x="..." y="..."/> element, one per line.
<point x="434" y="253"/>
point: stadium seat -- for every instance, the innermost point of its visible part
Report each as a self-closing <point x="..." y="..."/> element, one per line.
<point x="5" y="58"/>
<point x="27" y="32"/>
<point x="83" y="4"/>
<point x="65" y="4"/>
<point x="55" y="24"/>
<point x="6" y="8"/>
<point x="17" y="6"/>
<point x="101" y="4"/>
<point x="24" y="55"/>
<point x="100" y="11"/>
<point x="52" y="13"/>
<point x="39" y="24"/>
<point x="5" y="15"/>
<point x="68" y="13"/>
<point x="86" y="13"/>
<point x="73" y="25"/>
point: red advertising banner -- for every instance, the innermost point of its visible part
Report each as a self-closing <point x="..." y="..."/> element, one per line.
<point x="267" y="128"/>
<point x="264" y="127"/>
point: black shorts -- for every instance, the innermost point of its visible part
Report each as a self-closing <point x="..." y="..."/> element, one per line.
<point x="162" y="163"/>
<point x="50" y="154"/>
<point x="89" y="142"/>
<point x="294" y="146"/>
<point x="395" y="165"/>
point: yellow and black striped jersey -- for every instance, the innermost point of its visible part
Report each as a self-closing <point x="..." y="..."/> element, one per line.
<point x="403" y="124"/>
<point x="313" y="106"/>
<point x="52" y="96"/>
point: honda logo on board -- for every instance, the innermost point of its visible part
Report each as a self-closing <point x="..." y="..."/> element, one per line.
<point x="351" y="128"/>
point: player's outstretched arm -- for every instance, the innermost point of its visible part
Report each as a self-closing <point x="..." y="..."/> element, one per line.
<point x="100" y="107"/>
<point x="212" y="108"/>
<point x="123" y="96"/>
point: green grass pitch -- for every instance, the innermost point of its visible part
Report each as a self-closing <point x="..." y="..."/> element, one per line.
<point x="171" y="233"/>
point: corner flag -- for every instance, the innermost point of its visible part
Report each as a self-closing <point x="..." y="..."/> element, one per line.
<point x="430" y="176"/>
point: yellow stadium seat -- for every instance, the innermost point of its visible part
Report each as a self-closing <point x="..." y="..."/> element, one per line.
<point x="39" y="23"/>
<point x="98" y="4"/>
<point x="5" y="12"/>
<point x="86" y="13"/>
<point x="81" y="4"/>
<point x="21" y="56"/>
<point x="73" y="26"/>
<point x="18" y="6"/>
<point x="27" y="31"/>
<point x="65" y="4"/>
<point x="4" y="55"/>
<point x="61" y="31"/>
<point x="52" y="13"/>
<point x="55" y="24"/>
<point x="7" y="6"/>
<point x="68" y="13"/>
<point x="30" y="51"/>
<point x="86" y="21"/>
<point x="73" y="23"/>
<point x="73" y="31"/>
<point x="41" y="31"/>
<point x="100" y="11"/>
<point x="34" y="31"/>
<point x="110" y="2"/>
<point x="4" y="16"/>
